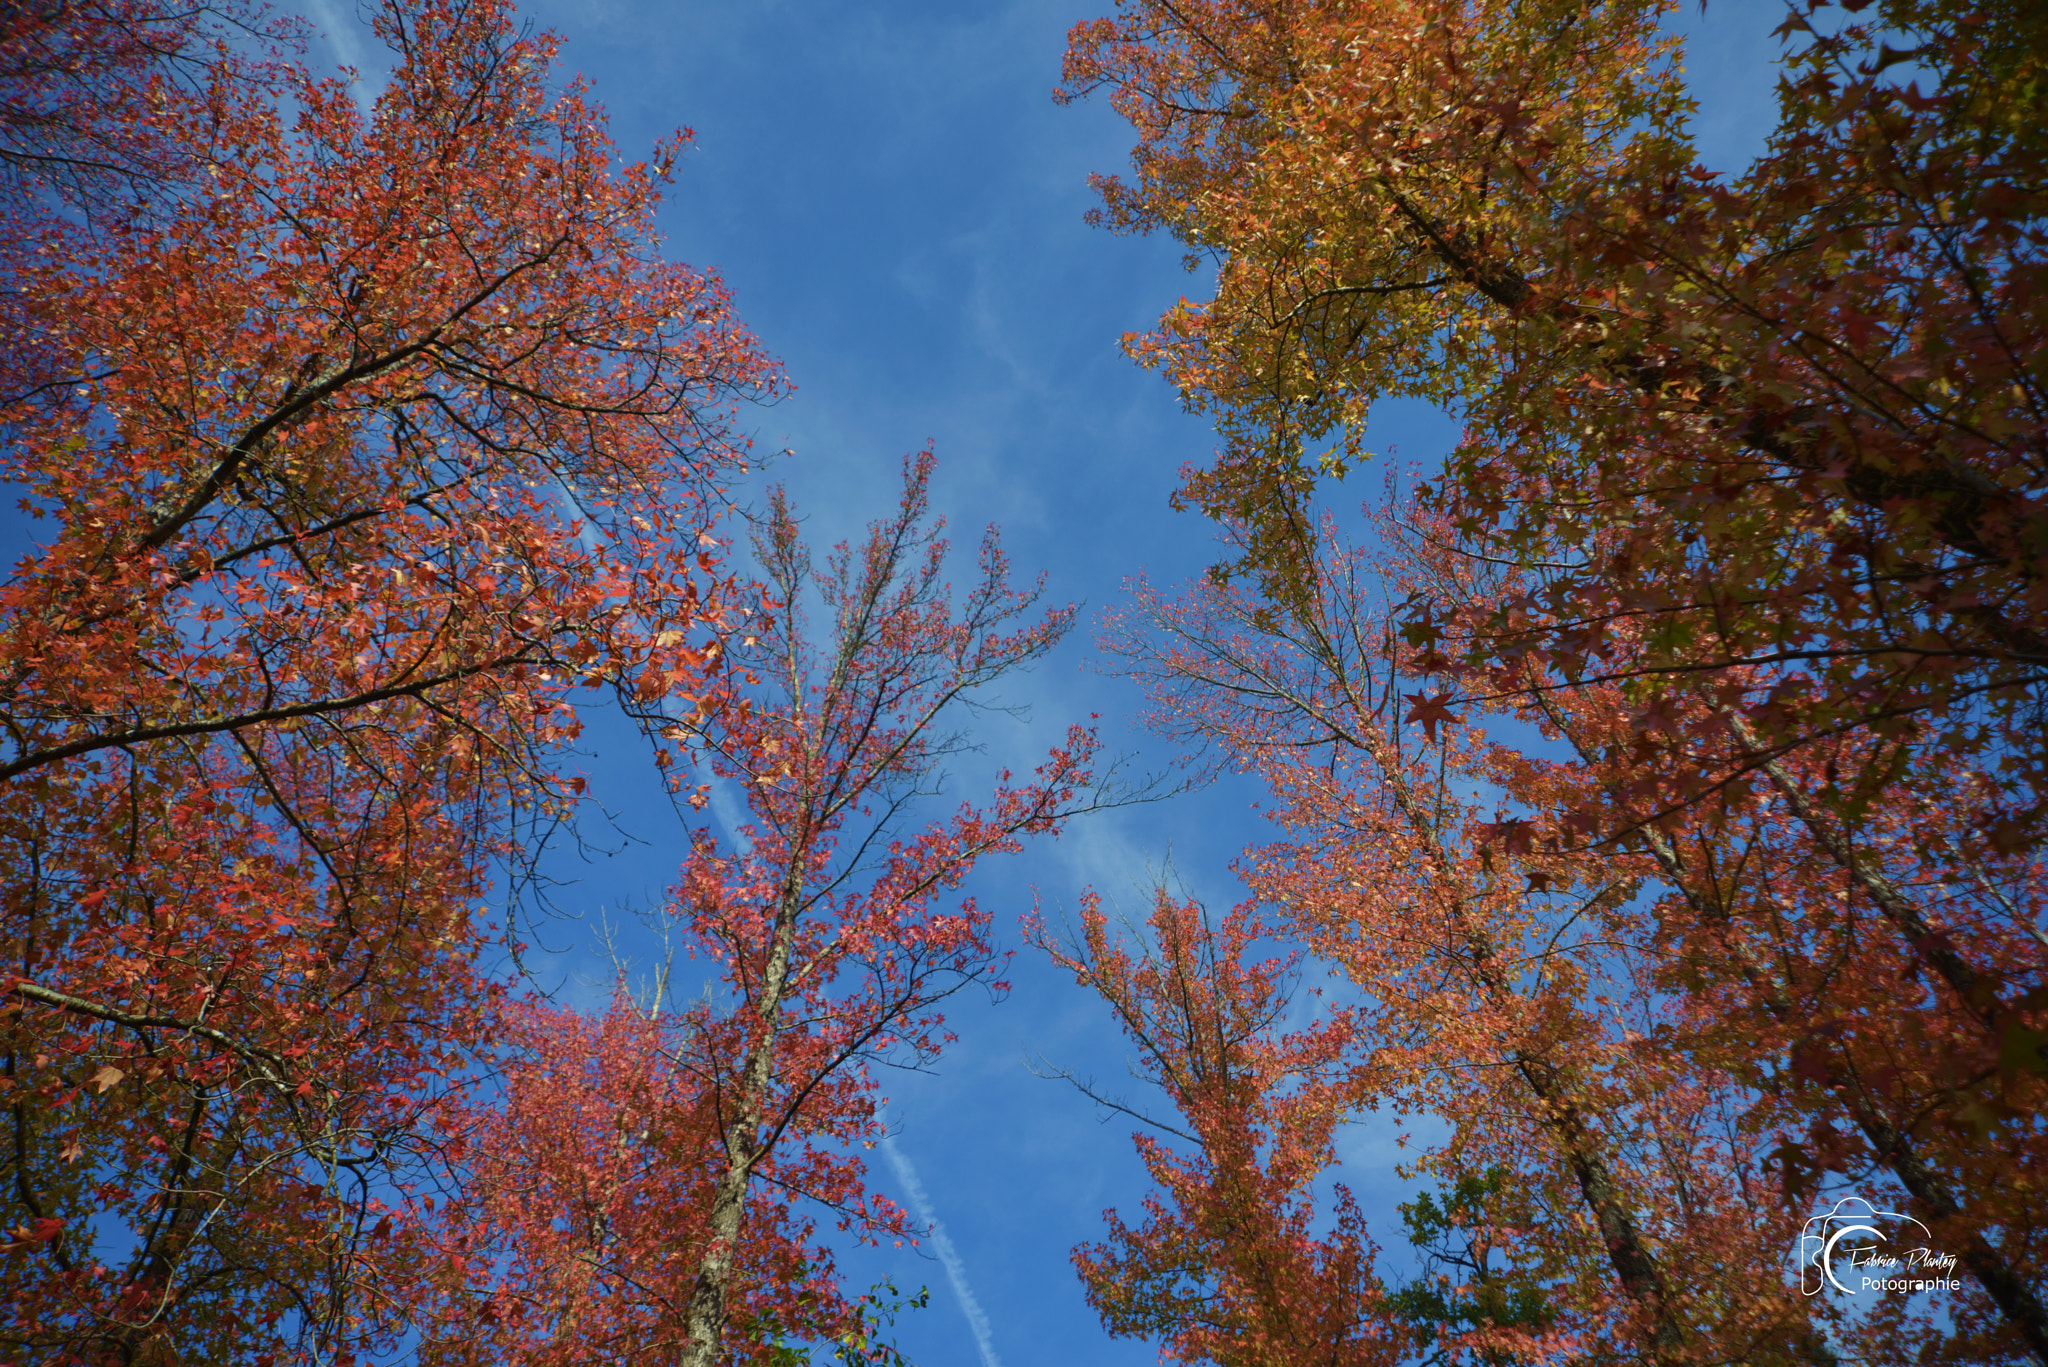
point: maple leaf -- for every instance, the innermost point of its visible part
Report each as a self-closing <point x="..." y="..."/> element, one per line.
<point x="41" y="1231"/>
<point x="1429" y="711"/>
<point x="1515" y="835"/>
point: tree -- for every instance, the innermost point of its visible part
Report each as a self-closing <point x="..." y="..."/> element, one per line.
<point x="1507" y="986"/>
<point x="360" y="441"/>
<point x="1775" y="440"/>
<point x="1841" y="946"/>
<point x="1227" y="1266"/>
<point x="1655" y="1057"/>
<point x="583" y="1195"/>
<point x="644" y="1183"/>
<point x="1745" y="520"/>
<point x="828" y="926"/>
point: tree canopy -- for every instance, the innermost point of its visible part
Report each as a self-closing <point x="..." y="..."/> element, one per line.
<point x="1742" y="538"/>
<point x="1657" y="789"/>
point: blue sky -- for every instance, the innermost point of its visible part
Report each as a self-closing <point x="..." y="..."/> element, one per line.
<point x="897" y="205"/>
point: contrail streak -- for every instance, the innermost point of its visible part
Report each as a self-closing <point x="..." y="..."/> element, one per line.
<point x="949" y="1257"/>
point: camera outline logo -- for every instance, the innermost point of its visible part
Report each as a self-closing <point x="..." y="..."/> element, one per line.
<point x="1820" y="1243"/>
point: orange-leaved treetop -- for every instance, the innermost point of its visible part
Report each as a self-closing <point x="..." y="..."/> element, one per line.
<point x="1777" y="439"/>
<point x="642" y="1196"/>
<point x="353" y="438"/>
<point x="1234" y="1261"/>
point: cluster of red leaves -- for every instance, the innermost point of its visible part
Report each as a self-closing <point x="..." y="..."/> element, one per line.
<point x="638" y="1189"/>
<point x="584" y="1203"/>
<point x="354" y="440"/>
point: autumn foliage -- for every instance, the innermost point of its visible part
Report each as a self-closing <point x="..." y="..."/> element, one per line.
<point x="1652" y="1057"/>
<point x="834" y="924"/>
<point x="354" y="439"/>
<point x="1664" y="785"/>
<point x="642" y="1189"/>
<point x="1658" y="787"/>
<point x="1770" y="442"/>
<point x="584" y="1195"/>
<point x="1229" y="1264"/>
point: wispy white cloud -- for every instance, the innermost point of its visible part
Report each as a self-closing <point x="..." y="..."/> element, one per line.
<point x="949" y="1257"/>
<point x="347" y="40"/>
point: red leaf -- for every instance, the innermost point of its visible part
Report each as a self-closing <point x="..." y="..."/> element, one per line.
<point x="1429" y="711"/>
